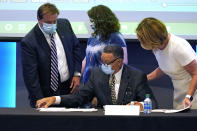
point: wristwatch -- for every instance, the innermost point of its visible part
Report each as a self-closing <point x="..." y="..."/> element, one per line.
<point x="77" y="74"/>
<point x="190" y="97"/>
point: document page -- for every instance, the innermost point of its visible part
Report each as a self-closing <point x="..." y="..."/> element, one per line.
<point x="58" y="109"/>
<point x="172" y="110"/>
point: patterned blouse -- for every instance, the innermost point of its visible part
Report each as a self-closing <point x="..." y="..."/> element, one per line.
<point x="94" y="50"/>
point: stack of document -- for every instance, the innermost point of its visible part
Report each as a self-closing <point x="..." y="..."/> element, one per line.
<point x="58" y="109"/>
<point x="172" y="110"/>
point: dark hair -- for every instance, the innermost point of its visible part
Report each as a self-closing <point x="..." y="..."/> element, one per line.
<point x="105" y="21"/>
<point x="116" y="50"/>
<point x="47" y="8"/>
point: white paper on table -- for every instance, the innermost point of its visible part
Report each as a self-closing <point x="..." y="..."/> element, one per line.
<point x="58" y="109"/>
<point x="132" y="110"/>
<point x="172" y="110"/>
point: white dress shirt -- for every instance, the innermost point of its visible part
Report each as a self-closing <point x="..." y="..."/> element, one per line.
<point x="62" y="60"/>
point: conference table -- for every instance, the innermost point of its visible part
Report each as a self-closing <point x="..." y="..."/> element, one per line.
<point x="19" y="119"/>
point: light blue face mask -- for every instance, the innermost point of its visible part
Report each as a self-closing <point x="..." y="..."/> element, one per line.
<point x="93" y="27"/>
<point x="107" y="69"/>
<point x="49" y="28"/>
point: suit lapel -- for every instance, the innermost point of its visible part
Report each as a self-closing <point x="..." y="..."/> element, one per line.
<point x="123" y="85"/>
<point x="62" y="35"/>
<point x="42" y="41"/>
<point x="106" y="88"/>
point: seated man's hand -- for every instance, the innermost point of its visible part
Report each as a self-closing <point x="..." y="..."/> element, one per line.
<point x="139" y="104"/>
<point x="45" y="102"/>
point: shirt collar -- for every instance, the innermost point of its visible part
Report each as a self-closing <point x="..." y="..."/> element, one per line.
<point x="119" y="74"/>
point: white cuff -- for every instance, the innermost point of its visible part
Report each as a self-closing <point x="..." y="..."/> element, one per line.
<point x="58" y="100"/>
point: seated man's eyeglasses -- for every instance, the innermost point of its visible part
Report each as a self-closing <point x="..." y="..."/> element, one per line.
<point x="109" y="63"/>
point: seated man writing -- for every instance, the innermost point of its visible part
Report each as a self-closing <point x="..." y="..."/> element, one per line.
<point x="114" y="83"/>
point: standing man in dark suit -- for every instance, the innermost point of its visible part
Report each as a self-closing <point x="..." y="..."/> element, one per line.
<point x="50" y="56"/>
<point x="129" y="85"/>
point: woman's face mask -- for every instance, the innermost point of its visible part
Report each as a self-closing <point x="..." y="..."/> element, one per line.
<point x="93" y="27"/>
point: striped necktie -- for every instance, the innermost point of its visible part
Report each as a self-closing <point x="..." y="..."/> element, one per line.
<point x="54" y="65"/>
<point x="112" y="86"/>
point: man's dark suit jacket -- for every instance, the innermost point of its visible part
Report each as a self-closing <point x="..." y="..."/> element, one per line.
<point x="36" y="59"/>
<point x="133" y="87"/>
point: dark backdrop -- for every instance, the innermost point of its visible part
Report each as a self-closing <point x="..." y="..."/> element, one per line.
<point x="137" y="57"/>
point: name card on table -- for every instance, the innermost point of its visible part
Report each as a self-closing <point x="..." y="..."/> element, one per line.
<point x="126" y="110"/>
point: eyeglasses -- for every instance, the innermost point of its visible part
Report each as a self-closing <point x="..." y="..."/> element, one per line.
<point x="111" y="61"/>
